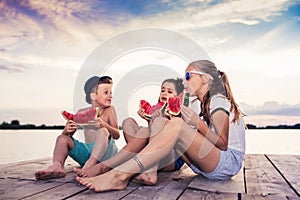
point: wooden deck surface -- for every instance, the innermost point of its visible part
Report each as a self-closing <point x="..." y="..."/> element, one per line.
<point x="262" y="177"/>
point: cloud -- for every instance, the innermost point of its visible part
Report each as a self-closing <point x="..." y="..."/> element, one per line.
<point x="271" y="108"/>
<point x="13" y="68"/>
<point x="86" y="23"/>
<point x="195" y="14"/>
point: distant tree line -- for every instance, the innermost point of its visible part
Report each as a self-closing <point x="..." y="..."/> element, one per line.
<point x="15" y="124"/>
<point x="296" y="126"/>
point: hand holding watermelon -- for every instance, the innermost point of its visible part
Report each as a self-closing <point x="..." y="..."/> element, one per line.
<point x="70" y="128"/>
<point x="172" y="107"/>
<point x="146" y="110"/>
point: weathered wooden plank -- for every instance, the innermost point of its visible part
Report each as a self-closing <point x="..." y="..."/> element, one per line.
<point x="262" y="177"/>
<point x="169" y="186"/>
<point x="26" y="169"/>
<point x="7" y="183"/>
<point x="26" y="188"/>
<point x="288" y="165"/>
<point x="264" y="197"/>
<point x="190" y="194"/>
<point x="293" y="198"/>
<point x="197" y="194"/>
<point x="111" y="195"/>
<point x="60" y="192"/>
<point x="234" y="185"/>
<point x="255" y="161"/>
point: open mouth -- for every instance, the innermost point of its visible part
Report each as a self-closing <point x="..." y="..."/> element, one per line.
<point x="164" y="99"/>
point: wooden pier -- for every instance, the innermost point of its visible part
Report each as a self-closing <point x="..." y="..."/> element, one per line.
<point x="262" y="177"/>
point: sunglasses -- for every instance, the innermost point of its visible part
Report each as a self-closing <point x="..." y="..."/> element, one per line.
<point x="188" y="75"/>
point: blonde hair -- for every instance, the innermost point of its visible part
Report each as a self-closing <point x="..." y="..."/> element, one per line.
<point x="218" y="85"/>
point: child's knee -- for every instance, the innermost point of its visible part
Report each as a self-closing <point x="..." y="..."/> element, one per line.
<point x="63" y="139"/>
<point x="104" y="131"/>
<point x="128" y="122"/>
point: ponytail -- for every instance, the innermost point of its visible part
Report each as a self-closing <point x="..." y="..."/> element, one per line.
<point x="218" y="85"/>
<point x="234" y="106"/>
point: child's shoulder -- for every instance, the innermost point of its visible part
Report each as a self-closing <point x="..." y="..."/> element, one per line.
<point x="109" y="109"/>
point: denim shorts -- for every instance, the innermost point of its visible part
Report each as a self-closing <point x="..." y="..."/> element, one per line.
<point x="81" y="152"/>
<point x="229" y="165"/>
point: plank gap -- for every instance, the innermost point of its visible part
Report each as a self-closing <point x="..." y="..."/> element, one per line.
<point x="129" y="193"/>
<point x="245" y="182"/>
<point x="85" y="189"/>
<point x="282" y="176"/>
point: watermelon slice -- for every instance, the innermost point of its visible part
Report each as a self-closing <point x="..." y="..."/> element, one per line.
<point x="82" y="118"/>
<point x="67" y="115"/>
<point x="151" y="109"/>
<point x="174" y="103"/>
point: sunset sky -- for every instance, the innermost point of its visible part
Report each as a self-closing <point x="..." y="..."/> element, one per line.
<point x="43" y="45"/>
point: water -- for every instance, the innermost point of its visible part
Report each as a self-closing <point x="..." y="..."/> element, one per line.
<point x="20" y="145"/>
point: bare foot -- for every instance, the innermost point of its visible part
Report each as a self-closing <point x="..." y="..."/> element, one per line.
<point x="112" y="180"/>
<point x="147" y="178"/>
<point x="95" y="170"/>
<point x="53" y="171"/>
<point x="90" y="162"/>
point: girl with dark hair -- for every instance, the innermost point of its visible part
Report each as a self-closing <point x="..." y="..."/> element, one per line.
<point x="137" y="138"/>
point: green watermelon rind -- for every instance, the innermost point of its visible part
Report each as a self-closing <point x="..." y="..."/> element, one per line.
<point x="171" y="102"/>
<point x="162" y="109"/>
<point x="150" y="115"/>
<point x="183" y="100"/>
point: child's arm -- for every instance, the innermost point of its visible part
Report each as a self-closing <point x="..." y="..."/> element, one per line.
<point x="112" y="124"/>
<point x="70" y="128"/>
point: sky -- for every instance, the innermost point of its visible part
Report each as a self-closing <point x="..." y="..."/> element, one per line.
<point x="45" y="44"/>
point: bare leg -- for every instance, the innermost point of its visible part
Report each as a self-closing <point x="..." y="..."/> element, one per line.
<point x="99" y="149"/>
<point x="63" y="144"/>
<point x="149" y="177"/>
<point x="197" y="148"/>
<point x="136" y="138"/>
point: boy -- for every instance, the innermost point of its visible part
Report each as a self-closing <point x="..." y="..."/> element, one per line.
<point x="99" y="134"/>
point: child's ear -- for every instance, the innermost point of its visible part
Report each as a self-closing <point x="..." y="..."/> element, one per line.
<point x="93" y="96"/>
<point x="204" y="79"/>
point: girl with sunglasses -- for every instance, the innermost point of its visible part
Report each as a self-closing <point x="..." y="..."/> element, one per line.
<point x="212" y="143"/>
<point x="137" y="137"/>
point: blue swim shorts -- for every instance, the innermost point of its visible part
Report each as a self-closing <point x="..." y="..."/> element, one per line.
<point x="178" y="162"/>
<point x="229" y="165"/>
<point x="81" y="152"/>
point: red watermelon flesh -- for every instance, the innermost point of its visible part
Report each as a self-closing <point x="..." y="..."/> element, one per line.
<point x="174" y="103"/>
<point x="145" y="105"/>
<point x="82" y="118"/>
<point x="151" y="109"/>
<point x="67" y="115"/>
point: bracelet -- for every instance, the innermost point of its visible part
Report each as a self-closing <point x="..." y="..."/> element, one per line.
<point x="141" y="166"/>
